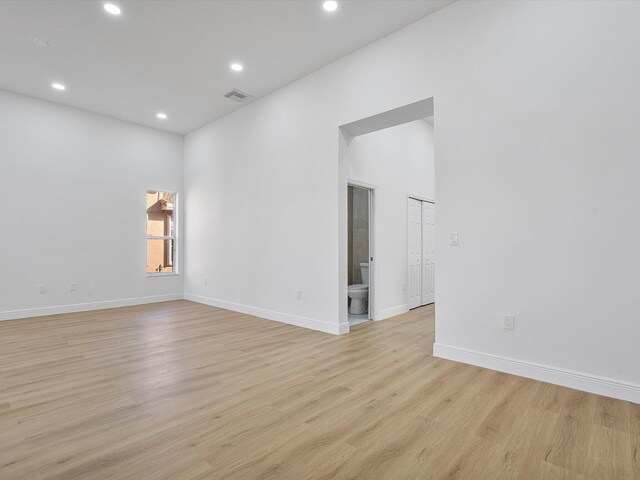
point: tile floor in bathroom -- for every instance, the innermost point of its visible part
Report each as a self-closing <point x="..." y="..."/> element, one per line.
<point x="356" y="319"/>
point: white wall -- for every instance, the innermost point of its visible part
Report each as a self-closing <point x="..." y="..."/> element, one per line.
<point x="73" y="195"/>
<point x="399" y="161"/>
<point x="536" y="167"/>
<point x="260" y="222"/>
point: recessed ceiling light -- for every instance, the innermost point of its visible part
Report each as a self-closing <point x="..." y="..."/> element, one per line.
<point x="40" y="42"/>
<point x="112" y="9"/>
<point x="236" y="67"/>
<point x="161" y="116"/>
<point x="330" y="6"/>
<point x="58" y="86"/>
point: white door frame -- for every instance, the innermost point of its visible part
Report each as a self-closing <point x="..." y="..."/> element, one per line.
<point x="373" y="225"/>
<point x="422" y="199"/>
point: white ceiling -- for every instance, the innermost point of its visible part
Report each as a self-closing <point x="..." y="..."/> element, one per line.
<point x="174" y="56"/>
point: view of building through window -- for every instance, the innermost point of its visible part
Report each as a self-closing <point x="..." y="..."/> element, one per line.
<point x="160" y="232"/>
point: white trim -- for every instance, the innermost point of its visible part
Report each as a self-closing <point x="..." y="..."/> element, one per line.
<point x="85" y="307"/>
<point x="392" y="312"/>
<point x="545" y="373"/>
<point x="358" y="183"/>
<point x="421" y="198"/>
<point x="298" y="321"/>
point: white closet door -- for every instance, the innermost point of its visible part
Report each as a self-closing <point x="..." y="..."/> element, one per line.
<point x="415" y="253"/>
<point x="428" y="253"/>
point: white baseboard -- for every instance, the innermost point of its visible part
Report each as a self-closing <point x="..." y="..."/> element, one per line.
<point x="545" y="373"/>
<point x="343" y="328"/>
<point x="392" y="312"/>
<point x="84" y="307"/>
<point x="298" y="321"/>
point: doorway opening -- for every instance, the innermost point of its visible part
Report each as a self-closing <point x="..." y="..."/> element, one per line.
<point x="360" y="257"/>
<point x="390" y="156"/>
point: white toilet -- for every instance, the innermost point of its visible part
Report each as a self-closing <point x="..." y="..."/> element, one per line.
<point x="359" y="292"/>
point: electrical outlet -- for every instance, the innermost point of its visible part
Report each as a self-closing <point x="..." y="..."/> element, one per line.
<point x="299" y="294"/>
<point x="509" y="322"/>
<point x="453" y="239"/>
<point x="206" y="282"/>
<point x="72" y="287"/>
<point x="42" y="289"/>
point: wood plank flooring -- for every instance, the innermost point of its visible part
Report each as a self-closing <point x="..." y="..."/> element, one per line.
<point x="179" y="390"/>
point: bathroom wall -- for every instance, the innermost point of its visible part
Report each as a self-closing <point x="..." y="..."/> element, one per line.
<point x="358" y="232"/>
<point x="399" y="161"/>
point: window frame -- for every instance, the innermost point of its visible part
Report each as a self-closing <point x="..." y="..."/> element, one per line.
<point x="174" y="237"/>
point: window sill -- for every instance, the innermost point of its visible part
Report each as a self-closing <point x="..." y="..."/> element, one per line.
<point x="162" y="274"/>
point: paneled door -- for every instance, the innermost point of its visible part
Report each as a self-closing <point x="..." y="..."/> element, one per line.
<point x="428" y="253"/>
<point x="421" y="253"/>
<point x="415" y="253"/>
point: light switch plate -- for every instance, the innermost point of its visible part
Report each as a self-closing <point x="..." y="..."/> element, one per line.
<point x="509" y="322"/>
<point x="453" y="239"/>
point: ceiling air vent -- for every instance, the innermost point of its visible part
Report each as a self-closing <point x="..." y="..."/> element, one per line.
<point x="238" y="96"/>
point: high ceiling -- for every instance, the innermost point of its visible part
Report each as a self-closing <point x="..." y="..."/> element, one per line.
<point x="174" y="56"/>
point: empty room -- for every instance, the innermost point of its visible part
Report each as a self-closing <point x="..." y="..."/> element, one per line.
<point x="319" y="239"/>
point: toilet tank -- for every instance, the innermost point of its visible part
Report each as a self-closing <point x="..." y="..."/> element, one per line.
<point x="364" y="271"/>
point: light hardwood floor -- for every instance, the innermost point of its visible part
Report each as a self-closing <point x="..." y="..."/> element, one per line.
<point x="180" y="390"/>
